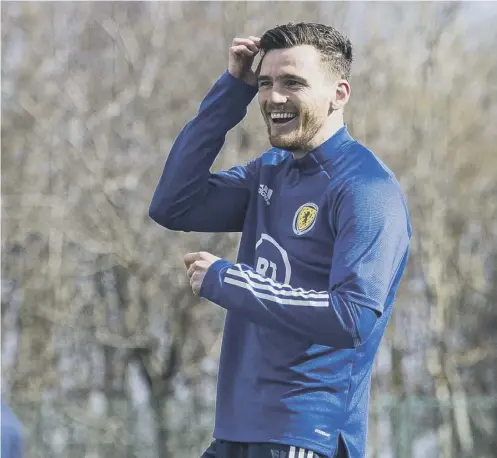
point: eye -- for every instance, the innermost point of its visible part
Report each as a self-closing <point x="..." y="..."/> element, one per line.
<point x="293" y="84"/>
<point x="264" y="83"/>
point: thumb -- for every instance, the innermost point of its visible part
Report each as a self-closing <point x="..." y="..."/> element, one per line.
<point x="190" y="258"/>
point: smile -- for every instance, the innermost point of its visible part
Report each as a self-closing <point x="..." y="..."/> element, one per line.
<point x="282" y="118"/>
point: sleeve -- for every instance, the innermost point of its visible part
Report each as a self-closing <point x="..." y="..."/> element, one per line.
<point x="12" y="441"/>
<point x="370" y="253"/>
<point x="190" y="198"/>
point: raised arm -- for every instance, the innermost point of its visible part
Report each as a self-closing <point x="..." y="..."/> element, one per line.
<point x="189" y="197"/>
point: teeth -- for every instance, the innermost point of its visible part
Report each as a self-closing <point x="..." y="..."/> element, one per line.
<point x="283" y="115"/>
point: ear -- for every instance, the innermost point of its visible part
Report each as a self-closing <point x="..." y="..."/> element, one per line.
<point x="341" y="94"/>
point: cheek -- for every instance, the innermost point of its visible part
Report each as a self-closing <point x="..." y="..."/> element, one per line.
<point x="262" y="100"/>
<point x="316" y="107"/>
<point x="323" y="107"/>
<point x="263" y="96"/>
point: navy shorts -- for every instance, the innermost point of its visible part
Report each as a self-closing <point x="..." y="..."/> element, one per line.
<point x="226" y="449"/>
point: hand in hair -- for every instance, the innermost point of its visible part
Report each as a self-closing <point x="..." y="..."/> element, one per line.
<point x="241" y="58"/>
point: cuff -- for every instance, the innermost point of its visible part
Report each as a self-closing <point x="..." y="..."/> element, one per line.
<point x="213" y="281"/>
<point x="247" y="91"/>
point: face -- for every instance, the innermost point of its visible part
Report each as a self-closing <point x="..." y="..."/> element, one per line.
<point x="296" y="95"/>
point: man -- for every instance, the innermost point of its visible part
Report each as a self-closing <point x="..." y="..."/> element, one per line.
<point x="11" y="437"/>
<point x="325" y="236"/>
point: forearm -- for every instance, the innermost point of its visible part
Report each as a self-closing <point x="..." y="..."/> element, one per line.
<point x="321" y="316"/>
<point x="184" y="182"/>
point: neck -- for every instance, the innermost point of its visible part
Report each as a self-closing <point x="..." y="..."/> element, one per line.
<point x="330" y="128"/>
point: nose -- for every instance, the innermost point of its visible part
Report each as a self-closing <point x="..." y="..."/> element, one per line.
<point x="276" y="97"/>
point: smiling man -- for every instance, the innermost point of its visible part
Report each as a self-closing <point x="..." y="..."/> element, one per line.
<point x="302" y="92"/>
<point x="325" y="238"/>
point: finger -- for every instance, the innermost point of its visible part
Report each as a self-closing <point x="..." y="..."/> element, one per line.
<point x="191" y="270"/>
<point x="199" y="267"/>
<point x="256" y="40"/>
<point x="194" y="287"/>
<point x="242" y="50"/>
<point x="190" y="258"/>
<point x="195" y="284"/>
<point x="246" y="42"/>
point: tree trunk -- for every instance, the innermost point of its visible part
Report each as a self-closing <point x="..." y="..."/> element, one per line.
<point x="374" y="421"/>
<point x="161" y="429"/>
<point x="462" y="442"/>
<point x="398" y="413"/>
<point x="435" y="361"/>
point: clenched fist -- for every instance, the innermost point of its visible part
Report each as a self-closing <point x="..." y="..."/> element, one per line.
<point x="197" y="265"/>
<point x="241" y="58"/>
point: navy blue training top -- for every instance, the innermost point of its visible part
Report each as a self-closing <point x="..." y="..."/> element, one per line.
<point x="324" y="245"/>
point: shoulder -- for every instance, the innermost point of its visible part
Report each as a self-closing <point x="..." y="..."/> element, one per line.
<point x="368" y="165"/>
<point x="365" y="175"/>
<point x="368" y="188"/>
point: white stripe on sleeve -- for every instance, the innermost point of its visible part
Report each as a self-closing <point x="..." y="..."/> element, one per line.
<point x="239" y="270"/>
<point x="267" y="289"/>
<point x="280" y="300"/>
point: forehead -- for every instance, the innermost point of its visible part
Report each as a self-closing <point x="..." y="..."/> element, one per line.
<point x="303" y="61"/>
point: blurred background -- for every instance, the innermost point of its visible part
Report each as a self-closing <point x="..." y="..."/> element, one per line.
<point x="105" y="351"/>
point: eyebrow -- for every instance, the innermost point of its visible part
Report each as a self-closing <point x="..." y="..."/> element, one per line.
<point x="287" y="76"/>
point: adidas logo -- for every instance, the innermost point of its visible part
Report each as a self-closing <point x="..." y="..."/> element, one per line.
<point x="266" y="193"/>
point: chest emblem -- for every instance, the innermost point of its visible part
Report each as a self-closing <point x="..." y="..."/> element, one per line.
<point x="304" y="218"/>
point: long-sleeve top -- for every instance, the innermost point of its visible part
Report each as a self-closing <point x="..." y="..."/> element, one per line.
<point x="325" y="242"/>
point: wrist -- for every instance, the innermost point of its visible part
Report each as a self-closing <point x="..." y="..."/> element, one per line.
<point x="249" y="80"/>
<point x="213" y="279"/>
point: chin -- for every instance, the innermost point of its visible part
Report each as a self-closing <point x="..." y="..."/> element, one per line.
<point x="287" y="144"/>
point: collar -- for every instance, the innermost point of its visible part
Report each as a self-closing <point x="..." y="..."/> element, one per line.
<point x="328" y="150"/>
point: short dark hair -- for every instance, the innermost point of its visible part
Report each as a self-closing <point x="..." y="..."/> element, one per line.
<point x="335" y="48"/>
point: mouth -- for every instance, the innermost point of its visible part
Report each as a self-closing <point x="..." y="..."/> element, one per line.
<point x="282" y="119"/>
